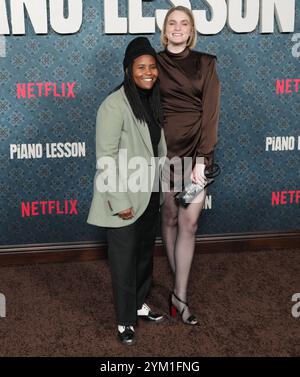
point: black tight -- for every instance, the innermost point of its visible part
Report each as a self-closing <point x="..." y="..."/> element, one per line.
<point x="179" y="226"/>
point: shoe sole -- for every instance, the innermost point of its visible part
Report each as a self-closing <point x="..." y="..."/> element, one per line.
<point x="127" y="343"/>
<point x="145" y="319"/>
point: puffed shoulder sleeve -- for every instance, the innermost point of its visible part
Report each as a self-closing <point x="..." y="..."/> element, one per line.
<point x="211" y="111"/>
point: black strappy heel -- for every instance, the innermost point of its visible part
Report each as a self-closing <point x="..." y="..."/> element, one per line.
<point x="191" y="320"/>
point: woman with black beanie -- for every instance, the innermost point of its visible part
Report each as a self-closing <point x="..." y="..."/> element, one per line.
<point x="129" y="124"/>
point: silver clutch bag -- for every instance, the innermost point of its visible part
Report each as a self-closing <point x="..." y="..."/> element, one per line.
<point x="185" y="197"/>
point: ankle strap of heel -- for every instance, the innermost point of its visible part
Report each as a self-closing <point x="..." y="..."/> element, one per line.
<point x="177" y="298"/>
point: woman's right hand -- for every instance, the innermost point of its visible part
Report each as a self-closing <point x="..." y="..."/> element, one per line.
<point x="198" y="174"/>
<point x="127" y="214"/>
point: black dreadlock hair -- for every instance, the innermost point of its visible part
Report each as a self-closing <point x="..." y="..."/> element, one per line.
<point x="134" y="99"/>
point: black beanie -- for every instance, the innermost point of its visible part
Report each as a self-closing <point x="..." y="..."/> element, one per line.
<point x="137" y="47"/>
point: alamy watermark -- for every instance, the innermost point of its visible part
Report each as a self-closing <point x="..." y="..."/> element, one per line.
<point x="2" y="306"/>
<point x="296" y="308"/>
<point x="138" y="174"/>
<point x="296" y="47"/>
<point x="2" y="46"/>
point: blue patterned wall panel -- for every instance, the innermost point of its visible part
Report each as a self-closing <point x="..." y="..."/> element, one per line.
<point x="248" y="66"/>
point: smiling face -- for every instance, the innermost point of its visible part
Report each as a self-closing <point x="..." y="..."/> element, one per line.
<point x="144" y="71"/>
<point x="178" y="28"/>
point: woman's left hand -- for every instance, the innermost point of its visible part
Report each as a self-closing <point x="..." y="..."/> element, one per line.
<point x="198" y="175"/>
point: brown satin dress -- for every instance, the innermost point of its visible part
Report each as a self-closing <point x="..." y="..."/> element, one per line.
<point x="190" y="92"/>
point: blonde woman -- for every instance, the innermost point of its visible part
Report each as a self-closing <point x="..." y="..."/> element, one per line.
<point x="190" y="93"/>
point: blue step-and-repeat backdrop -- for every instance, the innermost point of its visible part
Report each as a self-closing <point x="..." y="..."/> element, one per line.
<point x="59" y="60"/>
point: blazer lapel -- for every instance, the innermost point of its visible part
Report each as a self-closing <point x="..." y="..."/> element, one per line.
<point x="142" y="127"/>
<point x="162" y="146"/>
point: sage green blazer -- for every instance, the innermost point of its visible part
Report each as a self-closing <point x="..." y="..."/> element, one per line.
<point x="118" y="129"/>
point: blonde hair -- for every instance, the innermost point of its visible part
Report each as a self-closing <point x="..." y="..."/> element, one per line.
<point x="191" y="43"/>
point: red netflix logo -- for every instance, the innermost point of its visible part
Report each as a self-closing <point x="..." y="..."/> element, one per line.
<point x="285" y="197"/>
<point x="45" y="89"/>
<point x="287" y="86"/>
<point x="50" y="207"/>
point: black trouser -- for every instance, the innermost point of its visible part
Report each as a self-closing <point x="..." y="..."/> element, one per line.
<point x="130" y="253"/>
